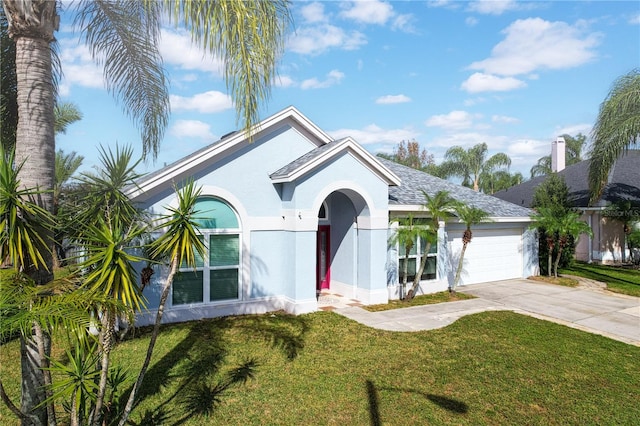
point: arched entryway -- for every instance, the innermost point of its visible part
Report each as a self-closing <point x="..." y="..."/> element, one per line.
<point x="338" y="245"/>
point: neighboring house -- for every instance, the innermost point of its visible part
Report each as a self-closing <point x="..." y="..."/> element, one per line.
<point x="296" y="211"/>
<point x="608" y="242"/>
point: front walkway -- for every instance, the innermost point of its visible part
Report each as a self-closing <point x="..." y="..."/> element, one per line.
<point x="600" y="312"/>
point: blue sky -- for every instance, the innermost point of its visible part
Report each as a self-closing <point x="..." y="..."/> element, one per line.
<point x="512" y="74"/>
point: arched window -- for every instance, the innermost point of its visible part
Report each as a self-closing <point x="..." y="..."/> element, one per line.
<point x="217" y="276"/>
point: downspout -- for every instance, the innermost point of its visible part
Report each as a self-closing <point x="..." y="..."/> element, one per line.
<point x="356" y="248"/>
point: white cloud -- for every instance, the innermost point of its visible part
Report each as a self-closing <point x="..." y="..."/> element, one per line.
<point x="635" y="19"/>
<point x="78" y="68"/>
<point x="368" y="12"/>
<point x="533" y="44"/>
<point x="332" y="78"/>
<point x="177" y="49"/>
<point x="373" y="134"/>
<point x="480" y="82"/>
<point x="574" y="129"/>
<point x="454" y="120"/>
<point x="313" y="13"/>
<point x="191" y="129"/>
<point x="318" y="39"/>
<point x="492" y="7"/>
<point x="471" y="21"/>
<point x="283" y="81"/>
<point x="207" y="102"/>
<point x="393" y="99"/>
<point x="504" y="119"/>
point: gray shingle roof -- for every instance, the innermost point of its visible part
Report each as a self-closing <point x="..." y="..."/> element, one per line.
<point x="623" y="184"/>
<point x="301" y="161"/>
<point x="413" y="181"/>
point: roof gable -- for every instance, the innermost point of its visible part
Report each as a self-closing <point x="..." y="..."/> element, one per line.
<point x="321" y="155"/>
<point x="228" y="145"/>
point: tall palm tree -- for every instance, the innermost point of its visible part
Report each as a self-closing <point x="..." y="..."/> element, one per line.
<point x="470" y="216"/>
<point x="247" y="34"/>
<point x="8" y="86"/>
<point x="617" y="129"/>
<point x="470" y="164"/>
<point x="498" y="180"/>
<point x="438" y="207"/>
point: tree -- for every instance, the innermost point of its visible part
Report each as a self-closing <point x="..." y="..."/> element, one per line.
<point x="616" y="130"/>
<point x="406" y="235"/>
<point x="65" y="113"/>
<point x="66" y="166"/>
<point x="470" y="216"/>
<point x="491" y="183"/>
<point x="409" y="154"/>
<point x="569" y="228"/>
<point x="179" y="244"/>
<point x="545" y="221"/>
<point x="573" y="146"/>
<point x="438" y="207"/>
<point x="248" y="35"/>
<point x="471" y="164"/>
<point x="8" y="86"/>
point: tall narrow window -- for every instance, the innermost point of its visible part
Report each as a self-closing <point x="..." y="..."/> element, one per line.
<point x="217" y="276"/>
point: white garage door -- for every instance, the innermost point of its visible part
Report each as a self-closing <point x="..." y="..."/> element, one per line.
<point x="492" y="255"/>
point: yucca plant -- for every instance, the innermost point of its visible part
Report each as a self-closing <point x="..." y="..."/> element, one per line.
<point x="178" y="244"/>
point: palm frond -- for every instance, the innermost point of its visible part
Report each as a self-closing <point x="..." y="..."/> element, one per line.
<point x="123" y="35"/>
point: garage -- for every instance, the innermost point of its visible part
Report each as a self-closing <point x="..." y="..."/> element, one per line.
<point x="493" y="254"/>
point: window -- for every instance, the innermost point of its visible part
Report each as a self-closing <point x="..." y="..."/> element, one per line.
<point x="415" y="256"/>
<point x="217" y="276"/>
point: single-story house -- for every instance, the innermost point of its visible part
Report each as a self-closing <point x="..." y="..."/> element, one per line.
<point x="296" y="211"/>
<point x="607" y="245"/>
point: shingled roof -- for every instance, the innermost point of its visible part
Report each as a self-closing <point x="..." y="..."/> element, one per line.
<point x="413" y="181"/>
<point x="624" y="183"/>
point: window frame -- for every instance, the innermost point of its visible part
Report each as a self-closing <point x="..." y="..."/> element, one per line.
<point x="416" y="254"/>
<point x="204" y="267"/>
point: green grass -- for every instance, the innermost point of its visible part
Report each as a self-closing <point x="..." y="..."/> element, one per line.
<point x="493" y="368"/>
<point x="618" y="279"/>
<point x="425" y="299"/>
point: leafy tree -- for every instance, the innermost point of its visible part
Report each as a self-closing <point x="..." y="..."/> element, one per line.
<point x="438" y="207"/>
<point x="123" y="35"/>
<point x="470" y="216"/>
<point x="409" y="154"/>
<point x="616" y="130"/>
<point x="405" y="235"/>
<point x="573" y="146"/>
<point x="471" y="164"/>
<point x="545" y="221"/>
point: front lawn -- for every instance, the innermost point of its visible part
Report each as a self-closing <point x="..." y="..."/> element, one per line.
<point x="618" y="279"/>
<point x="492" y="368"/>
<point x="423" y="299"/>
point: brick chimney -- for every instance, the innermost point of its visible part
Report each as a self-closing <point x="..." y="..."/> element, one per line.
<point x="558" y="154"/>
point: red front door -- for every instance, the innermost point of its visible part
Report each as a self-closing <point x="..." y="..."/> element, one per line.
<point x="323" y="257"/>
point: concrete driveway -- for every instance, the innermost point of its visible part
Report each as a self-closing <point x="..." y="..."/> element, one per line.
<point x="594" y="311"/>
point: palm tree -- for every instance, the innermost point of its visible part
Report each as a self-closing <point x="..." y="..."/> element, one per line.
<point x="545" y="220"/>
<point x="470" y="216"/>
<point x="8" y="86"/>
<point x="65" y="113"/>
<point x="498" y="180"/>
<point x="617" y="129"/>
<point x="123" y="35"/>
<point x="179" y="244"/>
<point x="406" y="235"/>
<point x="569" y="228"/>
<point x="472" y="163"/>
<point x="438" y="206"/>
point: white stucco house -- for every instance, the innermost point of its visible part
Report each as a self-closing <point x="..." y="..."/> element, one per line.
<point x="296" y="211"/>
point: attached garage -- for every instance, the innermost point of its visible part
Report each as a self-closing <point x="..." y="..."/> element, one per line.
<point x="493" y="254"/>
